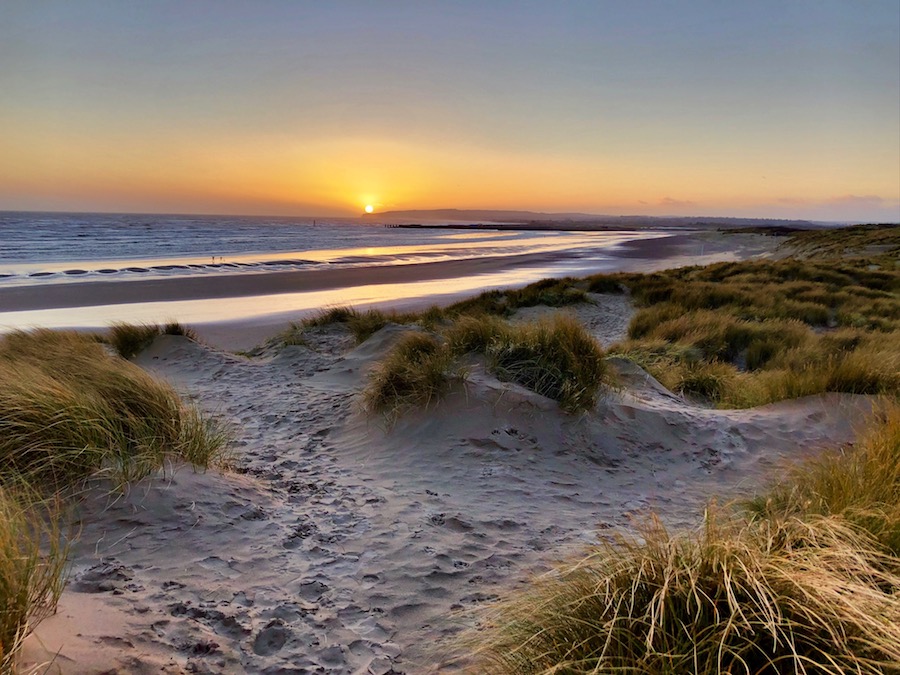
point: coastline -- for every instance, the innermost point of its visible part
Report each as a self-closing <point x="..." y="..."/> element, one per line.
<point x="342" y="541"/>
<point x="239" y="311"/>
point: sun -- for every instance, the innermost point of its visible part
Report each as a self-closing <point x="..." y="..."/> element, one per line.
<point x="369" y="208"/>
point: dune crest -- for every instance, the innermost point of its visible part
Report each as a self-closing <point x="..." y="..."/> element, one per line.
<point x="344" y="543"/>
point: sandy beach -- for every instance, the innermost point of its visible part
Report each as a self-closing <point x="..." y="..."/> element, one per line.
<point x="343" y="543"/>
<point x="415" y="338"/>
<point x="240" y="311"/>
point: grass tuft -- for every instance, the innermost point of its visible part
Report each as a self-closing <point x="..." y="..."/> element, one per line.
<point x="803" y="579"/>
<point x="555" y="357"/>
<point x="768" y="597"/>
<point x="130" y="339"/>
<point x="32" y="567"/>
<point x="861" y="485"/>
<point x="415" y="373"/>
<point x="69" y="410"/>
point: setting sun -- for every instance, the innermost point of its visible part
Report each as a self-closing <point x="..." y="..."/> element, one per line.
<point x="369" y="208"/>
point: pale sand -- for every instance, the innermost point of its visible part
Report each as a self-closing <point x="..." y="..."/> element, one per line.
<point x="347" y="546"/>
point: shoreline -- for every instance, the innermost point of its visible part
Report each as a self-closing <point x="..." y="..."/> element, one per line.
<point x="240" y="311"/>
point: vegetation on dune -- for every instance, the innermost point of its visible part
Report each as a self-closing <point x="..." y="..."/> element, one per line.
<point x="736" y="334"/>
<point x="555" y="357"/>
<point x="32" y="566"/>
<point x="362" y="324"/>
<point x="806" y="580"/>
<point x="548" y="292"/>
<point x="129" y="339"/>
<point x="416" y="372"/>
<point x="748" y="333"/>
<point x="69" y="410"/>
<point x="861" y="486"/>
<point x="856" y="240"/>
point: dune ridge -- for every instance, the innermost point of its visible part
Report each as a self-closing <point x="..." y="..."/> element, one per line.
<point x="347" y="545"/>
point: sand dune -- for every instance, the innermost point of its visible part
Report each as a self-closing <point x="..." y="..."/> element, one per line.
<point x="344" y="544"/>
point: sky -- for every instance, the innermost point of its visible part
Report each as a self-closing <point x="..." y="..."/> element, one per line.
<point x="778" y="109"/>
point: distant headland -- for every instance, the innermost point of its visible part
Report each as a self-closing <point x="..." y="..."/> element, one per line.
<point x="499" y="219"/>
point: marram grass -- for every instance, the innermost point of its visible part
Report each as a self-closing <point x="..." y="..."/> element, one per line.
<point x="861" y="485"/>
<point x="775" y="596"/>
<point x="69" y="409"/>
<point x="415" y="373"/>
<point x="555" y="357"/>
<point x="808" y="581"/>
<point x="32" y="567"/>
<point x="130" y="339"/>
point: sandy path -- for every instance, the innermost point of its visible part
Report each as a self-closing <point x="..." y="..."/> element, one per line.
<point x="349" y="547"/>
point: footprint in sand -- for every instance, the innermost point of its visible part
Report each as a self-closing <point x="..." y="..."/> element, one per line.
<point x="271" y="638"/>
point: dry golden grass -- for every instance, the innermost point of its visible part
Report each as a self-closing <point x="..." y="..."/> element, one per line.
<point x="69" y="409"/>
<point x="861" y="485"/>
<point x="415" y="373"/>
<point x="808" y="583"/>
<point x="32" y="567"/>
<point x="555" y="357"/>
<point x="129" y="339"/>
<point x="750" y="333"/>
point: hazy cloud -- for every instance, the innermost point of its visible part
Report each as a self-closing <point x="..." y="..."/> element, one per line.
<point x="841" y="208"/>
<point x="857" y="200"/>
<point x="677" y="203"/>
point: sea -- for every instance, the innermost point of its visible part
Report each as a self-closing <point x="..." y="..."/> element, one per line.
<point x="47" y="249"/>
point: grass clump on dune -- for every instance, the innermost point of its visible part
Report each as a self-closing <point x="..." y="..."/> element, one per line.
<point x="555" y="357"/>
<point x="747" y="333"/>
<point x="807" y="581"/>
<point x="129" y="339"/>
<point x="69" y="409"/>
<point x="549" y="292"/>
<point x="860" y="485"/>
<point x="363" y="324"/>
<point x="415" y="373"/>
<point x="32" y="567"/>
<point x="763" y="598"/>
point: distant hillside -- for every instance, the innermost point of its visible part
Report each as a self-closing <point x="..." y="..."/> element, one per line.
<point x="477" y="215"/>
<point x="576" y="220"/>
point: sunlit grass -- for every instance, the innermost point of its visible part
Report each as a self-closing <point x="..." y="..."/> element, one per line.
<point x="749" y="333"/>
<point x="32" y="566"/>
<point x="861" y="485"/>
<point x="416" y="373"/>
<point x="70" y="410"/>
<point x="809" y="582"/>
<point x="554" y="357"/>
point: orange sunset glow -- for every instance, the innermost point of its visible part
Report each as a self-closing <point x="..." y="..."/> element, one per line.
<point x="541" y="112"/>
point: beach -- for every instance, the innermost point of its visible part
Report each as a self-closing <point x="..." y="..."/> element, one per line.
<point x="239" y="310"/>
<point x="342" y="541"/>
<point x="346" y="544"/>
<point x="413" y="338"/>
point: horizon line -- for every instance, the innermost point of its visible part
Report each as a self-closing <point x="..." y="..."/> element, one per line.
<point x="371" y="216"/>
